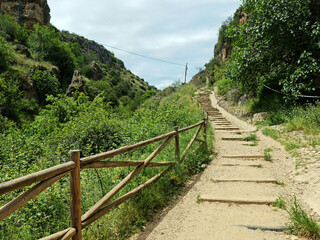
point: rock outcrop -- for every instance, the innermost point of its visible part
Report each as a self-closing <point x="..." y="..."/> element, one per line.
<point x="91" y="47"/>
<point x="27" y="12"/>
<point x="77" y="84"/>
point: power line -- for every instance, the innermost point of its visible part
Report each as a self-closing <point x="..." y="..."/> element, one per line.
<point x="141" y="55"/>
<point x="301" y="96"/>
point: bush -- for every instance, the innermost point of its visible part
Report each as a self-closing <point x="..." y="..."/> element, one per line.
<point x="11" y="30"/>
<point x="6" y="54"/>
<point x="45" y="83"/>
<point x="45" y="43"/>
<point x="10" y="98"/>
<point x="277" y="46"/>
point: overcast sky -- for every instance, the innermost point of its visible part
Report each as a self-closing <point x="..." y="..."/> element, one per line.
<point x="179" y="31"/>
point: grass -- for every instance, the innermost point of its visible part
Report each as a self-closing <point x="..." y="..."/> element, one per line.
<point x="267" y="155"/>
<point x="280" y="203"/>
<point x="198" y="199"/>
<point x="280" y="183"/>
<point x="302" y="224"/>
<point x="252" y="137"/>
<point x="271" y="133"/>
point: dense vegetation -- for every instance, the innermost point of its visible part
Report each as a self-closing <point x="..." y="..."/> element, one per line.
<point x="279" y="47"/>
<point x="40" y="62"/>
<point x="108" y="107"/>
<point x="94" y="126"/>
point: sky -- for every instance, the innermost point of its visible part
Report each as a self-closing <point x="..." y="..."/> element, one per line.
<point x="177" y="31"/>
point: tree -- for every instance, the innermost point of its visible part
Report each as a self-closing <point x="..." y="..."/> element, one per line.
<point x="278" y="46"/>
<point x="45" y="43"/>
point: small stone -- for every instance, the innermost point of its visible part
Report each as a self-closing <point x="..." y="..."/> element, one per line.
<point x="204" y="165"/>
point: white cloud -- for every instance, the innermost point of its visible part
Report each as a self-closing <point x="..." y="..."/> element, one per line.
<point x="175" y="30"/>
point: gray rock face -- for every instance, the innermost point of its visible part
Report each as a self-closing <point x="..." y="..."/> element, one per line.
<point x="27" y="12"/>
<point x="77" y="84"/>
<point x="97" y="72"/>
<point x="88" y="47"/>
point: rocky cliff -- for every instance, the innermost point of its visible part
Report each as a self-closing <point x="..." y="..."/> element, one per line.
<point x="27" y="12"/>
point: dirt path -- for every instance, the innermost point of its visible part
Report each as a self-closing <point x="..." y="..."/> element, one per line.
<point x="235" y="189"/>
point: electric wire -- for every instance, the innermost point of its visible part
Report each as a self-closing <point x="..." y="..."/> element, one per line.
<point x="301" y="96"/>
<point x="144" y="56"/>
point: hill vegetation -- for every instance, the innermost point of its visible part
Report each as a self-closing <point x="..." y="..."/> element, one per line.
<point x="41" y="62"/>
<point x="44" y="115"/>
<point x="277" y="47"/>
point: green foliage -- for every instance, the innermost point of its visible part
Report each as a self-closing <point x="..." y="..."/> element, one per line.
<point x="302" y="224"/>
<point x="267" y="155"/>
<point x="11" y="30"/>
<point x="278" y="46"/>
<point x="251" y="137"/>
<point x="45" y="43"/>
<point x="93" y="126"/>
<point x="10" y="97"/>
<point x="280" y="203"/>
<point x="271" y="133"/>
<point x="45" y="83"/>
<point x="6" y="54"/>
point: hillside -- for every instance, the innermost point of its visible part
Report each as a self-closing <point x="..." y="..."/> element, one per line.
<point x="44" y="61"/>
<point x="60" y="92"/>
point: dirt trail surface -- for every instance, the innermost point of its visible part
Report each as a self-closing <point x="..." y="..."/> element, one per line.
<point x="236" y="190"/>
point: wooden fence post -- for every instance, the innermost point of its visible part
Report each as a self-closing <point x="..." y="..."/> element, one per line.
<point x="205" y="130"/>
<point x="75" y="194"/>
<point x="177" y="144"/>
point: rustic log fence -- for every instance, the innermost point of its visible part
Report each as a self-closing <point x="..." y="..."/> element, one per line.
<point x="48" y="177"/>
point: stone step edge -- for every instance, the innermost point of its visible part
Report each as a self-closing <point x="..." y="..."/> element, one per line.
<point x="274" y="181"/>
<point x="239" y="165"/>
<point x="265" y="201"/>
<point x="243" y="156"/>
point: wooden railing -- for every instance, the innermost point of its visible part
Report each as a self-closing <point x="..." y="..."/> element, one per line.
<point x="48" y="177"/>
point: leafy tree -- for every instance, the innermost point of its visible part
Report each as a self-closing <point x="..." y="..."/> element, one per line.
<point x="10" y="98"/>
<point x="45" y="43"/>
<point x="46" y="83"/>
<point x="6" y="54"/>
<point x="278" y="46"/>
<point x="11" y="30"/>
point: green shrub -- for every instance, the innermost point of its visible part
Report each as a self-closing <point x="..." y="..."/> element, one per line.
<point x="224" y="85"/>
<point x="271" y="133"/>
<point x="45" y="43"/>
<point x="10" y="98"/>
<point x="6" y="54"/>
<point x="11" y="30"/>
<point x="45" y="83"/>
<point x="302" y="224"/>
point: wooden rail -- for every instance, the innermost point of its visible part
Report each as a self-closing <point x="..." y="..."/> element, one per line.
<point x="48" y="177"/>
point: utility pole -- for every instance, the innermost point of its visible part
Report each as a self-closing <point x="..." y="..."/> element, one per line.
<point x="185" y="74"/>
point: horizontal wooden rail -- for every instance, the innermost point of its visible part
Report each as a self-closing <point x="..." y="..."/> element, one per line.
<point x="124" y="182"/>
<point x="113" y="164"/>
<point x="20" y="201"/>
<point x="190" y="127"/>
<point x="112" y="153"/>
<point x="57" y="235"/>
<point x="35" y="177"/>
<point x="122" y="199"/>
<point x="47" y="177"/>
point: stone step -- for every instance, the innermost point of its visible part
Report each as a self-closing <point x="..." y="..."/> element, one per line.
<point x="258" y="165"/>
<point x="254" y="157"/>
<point x="222" y="180"/>
<point x="227" y="128"/>
<point x="238" y="199"/>
<point x="232" y="138"/>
